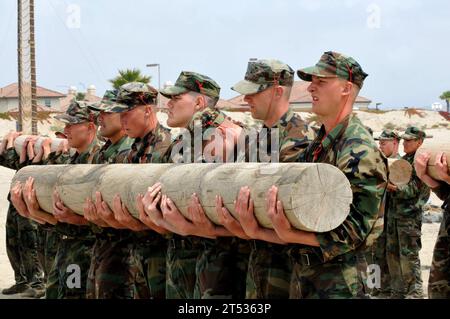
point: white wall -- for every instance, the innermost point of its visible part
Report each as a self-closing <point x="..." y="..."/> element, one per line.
<point x="9" y="104"/>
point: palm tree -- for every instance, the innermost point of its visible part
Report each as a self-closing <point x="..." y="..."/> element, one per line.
<point x="127" y="76"/>
<point x="446" y="97"/>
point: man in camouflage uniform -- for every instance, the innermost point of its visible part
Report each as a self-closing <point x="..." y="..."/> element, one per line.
<point x="389" y="141"/>
<point x="267" y="87"/>
<point x="136" y="105"/>
<point x="332" y="264"/>
<point x="22" y="236"/>
<point x="404" y="225"/>
<point x="76" y="236"/>
<point x="111" y="273"/>
<point x="439" y="281"/>
<point x="209" y="265"/>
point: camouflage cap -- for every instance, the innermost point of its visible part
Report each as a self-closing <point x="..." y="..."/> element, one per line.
<point x="77" y="113"/>
<point x="388" y="135"/>
<point x="193" y="82"/>
<point x="262" y="74"/>
<point x="336" y="65"/>
<point x="108" y="103"/>
<point x="134" y="94"/>
<point x="413" y="133"/>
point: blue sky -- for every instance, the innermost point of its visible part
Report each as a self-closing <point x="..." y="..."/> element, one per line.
<point x="402" y="44"/>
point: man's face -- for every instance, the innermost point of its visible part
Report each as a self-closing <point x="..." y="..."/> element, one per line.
<point x="181" y="110"/>
<point x="109" y="124"/>
<point x="77" y="134"/>
<point x="260" y="103"/>
<point x="326" y="95"/>
<point x="134" y="121"/>
<point x="410" y="146"/>
<point x="388" y="147"/>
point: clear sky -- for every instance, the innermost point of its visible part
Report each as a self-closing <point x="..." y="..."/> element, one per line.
<point x="403" y="44"/>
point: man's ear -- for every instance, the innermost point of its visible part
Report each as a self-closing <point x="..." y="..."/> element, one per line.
<point x="279" y="91"/>
<point x="200" y="103"/>
<point x="347" y="90"/>
<point x="148" y="110"/>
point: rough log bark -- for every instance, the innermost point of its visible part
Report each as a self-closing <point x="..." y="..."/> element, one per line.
<point x="316" y="197"/>
<point x="18" y="143"/>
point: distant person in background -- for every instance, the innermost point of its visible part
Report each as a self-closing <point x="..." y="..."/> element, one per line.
<point x="389" y="142"/>
<point x="404" y="225"/>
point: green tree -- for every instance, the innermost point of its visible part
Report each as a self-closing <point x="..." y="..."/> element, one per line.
<point x="446" y="97"/>
<point x="80" y="96"/>
<point x="127" y="76"/>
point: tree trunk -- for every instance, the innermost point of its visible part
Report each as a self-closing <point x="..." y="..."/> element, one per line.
<point x="400" y="171"/>
<point x="316" y="197"/>
<point x="434" y="149"/>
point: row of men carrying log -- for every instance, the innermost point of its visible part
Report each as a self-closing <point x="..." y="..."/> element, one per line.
<point x="162" y="253"/>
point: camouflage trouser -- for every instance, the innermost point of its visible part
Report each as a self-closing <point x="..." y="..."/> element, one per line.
<point x="182" y="256"/>
<point x="22" y="249"/>
<point x="222" y="269"/>
<point x="376" y="255"/>
<point x="48" y="246"/>
<point x="68" y="276"/>
<point x="403" y="245"/>
<point x="149" y="254"/>
<point x="112" y="273"/>
<point x="342" y="277"/>
<point x="269" y="271"/>
<point x="439" y="283"/>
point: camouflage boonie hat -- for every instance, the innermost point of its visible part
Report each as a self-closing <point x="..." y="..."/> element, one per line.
<point x="388" y="135"/>
<point x="262" y="74"/>
<point x="77" y="113"/>
<point x="193" y="82"/>
<point x="108" y="103"/>
<point x="413" y="133"/>
<point x="335" y="65"/>
<point x="134" y="94"/>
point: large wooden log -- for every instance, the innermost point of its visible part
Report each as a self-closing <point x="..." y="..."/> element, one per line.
<point x="18" y="143"/>
<point x="400" y="171"/>
<point x="316" y="197"/>
<point x="434" y="149"/>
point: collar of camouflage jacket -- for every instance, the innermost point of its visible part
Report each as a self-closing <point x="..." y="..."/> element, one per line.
<point x="336" y="133"/>
<point x="87" y="156"/>
<point x="283" y="122"/>
<point x="207" y="118"/>
<point x="110" y="149"/>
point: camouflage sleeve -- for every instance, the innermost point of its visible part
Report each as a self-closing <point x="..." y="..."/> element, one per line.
<point x="160" y="149"/>
<point x="411" y="190"/>
<point x="442" y="191"/>
<point x="11" y="159"/>
<point x="366" y="170"/>
<point x="57" y="159"/>
<point x="121" y="157"/>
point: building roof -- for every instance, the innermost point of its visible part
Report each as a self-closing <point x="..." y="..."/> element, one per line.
<point x="299" y="95"/>
<point x="11" y="91"/>
<point x="65" y="102"/>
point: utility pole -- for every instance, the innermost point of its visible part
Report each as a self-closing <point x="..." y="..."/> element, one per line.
<point x="159" y="79"/>
<point x="26" y="67"/>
